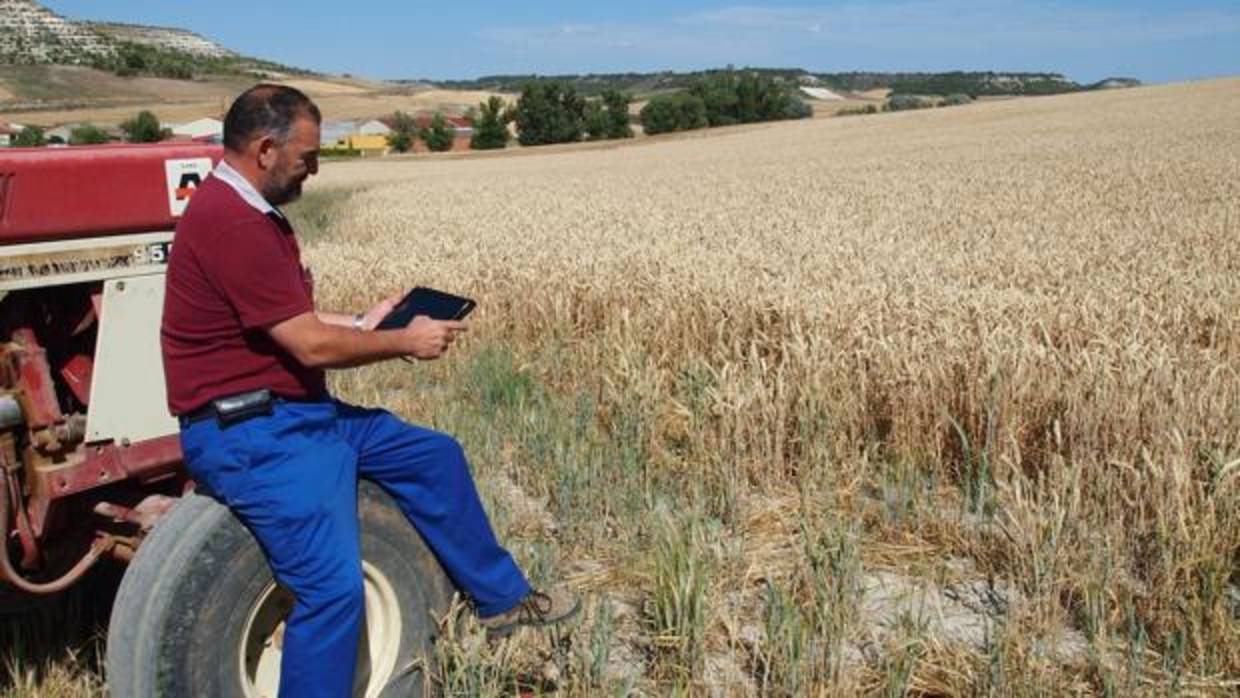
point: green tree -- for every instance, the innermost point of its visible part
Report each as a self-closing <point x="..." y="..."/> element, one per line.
<point x="491" y="126"/>
<point x="732" y="98"/>
<point x="674" y="112"/>
<point x="797" y="109"/>
<point x="403" y="134"/>
<point x="87" y="134"/>
<point x="438" y="136"/>
<point x="595" y="121"/>
<point x="659" y="115"/>
<point x="691" y="113"/>
<point x="750" y="99"/>
<point x="144" y="128"/>
<point x="619" y="124"/>
<point x="549" y="112"/>
<point x="30" y="137"/>
<point x="718" y="96"/>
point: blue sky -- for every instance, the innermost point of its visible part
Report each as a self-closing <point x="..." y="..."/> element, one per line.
<point x="1086" y="40"/>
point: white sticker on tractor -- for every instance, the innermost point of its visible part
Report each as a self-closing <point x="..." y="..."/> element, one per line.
<point x="184" y="176"/>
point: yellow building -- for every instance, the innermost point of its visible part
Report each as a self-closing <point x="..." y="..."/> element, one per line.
<point x="367" y="144"/>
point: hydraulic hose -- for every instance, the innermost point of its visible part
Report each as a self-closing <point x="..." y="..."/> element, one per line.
<point x="11" y="576"/>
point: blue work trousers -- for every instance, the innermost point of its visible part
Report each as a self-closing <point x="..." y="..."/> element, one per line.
<point x="291" y="478"/>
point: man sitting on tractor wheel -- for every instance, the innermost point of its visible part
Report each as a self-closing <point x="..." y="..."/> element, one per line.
<point x="244" y="352"/>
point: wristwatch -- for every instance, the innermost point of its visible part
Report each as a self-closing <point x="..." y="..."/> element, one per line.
<point x="359" y="321"/>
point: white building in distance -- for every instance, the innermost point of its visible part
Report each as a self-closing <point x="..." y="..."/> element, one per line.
<point x="204" y="128"/>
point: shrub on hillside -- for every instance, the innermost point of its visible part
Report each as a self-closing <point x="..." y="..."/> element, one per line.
<point x="906" y="103"/>
<point x="144" y="128"/>
<point x="955" y="100"/>
<point x="858" y="111"/>
<point x="131" y="59"/>
<point x="491" y="126"/>
<point x="30" y="137"/>
<point x="88" y="134"/>
<point x="797" y="109"/>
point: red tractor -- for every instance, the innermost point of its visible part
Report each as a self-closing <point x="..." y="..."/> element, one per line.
<point x="90" y="460"/>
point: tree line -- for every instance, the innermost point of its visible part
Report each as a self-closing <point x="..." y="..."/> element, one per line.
<point x="144" y="127"/>
<point x="549" y="112"/>
<point x="552" y="111"/>
<point x="973" y="83"/>
<point x="545" y="113"/>
<point x="723" y="100"/>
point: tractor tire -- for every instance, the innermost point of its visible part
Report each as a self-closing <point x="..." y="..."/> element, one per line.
<point x="198" y="613"/>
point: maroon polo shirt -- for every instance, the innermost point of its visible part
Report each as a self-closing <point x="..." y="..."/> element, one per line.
<point x="234" y="272"/>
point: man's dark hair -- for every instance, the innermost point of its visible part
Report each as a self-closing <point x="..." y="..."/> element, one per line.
<point x="266" y="108"/>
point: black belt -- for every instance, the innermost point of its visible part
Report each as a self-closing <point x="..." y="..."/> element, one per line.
<point x="232" y="409"/>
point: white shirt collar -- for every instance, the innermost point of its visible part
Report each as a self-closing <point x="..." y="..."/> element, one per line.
<point x="244" y="189"/>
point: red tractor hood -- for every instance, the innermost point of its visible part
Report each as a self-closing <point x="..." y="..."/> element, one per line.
<point x="86" y="191"/>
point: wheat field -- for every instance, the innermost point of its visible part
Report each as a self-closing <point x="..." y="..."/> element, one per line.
<point x="928" y="403"/>
<point x="941" y="402"/>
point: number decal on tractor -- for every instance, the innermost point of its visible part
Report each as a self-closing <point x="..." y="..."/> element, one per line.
<point x="154" y="253"/>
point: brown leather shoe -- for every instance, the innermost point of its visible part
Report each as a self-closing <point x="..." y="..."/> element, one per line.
<point x="536" y="609"/>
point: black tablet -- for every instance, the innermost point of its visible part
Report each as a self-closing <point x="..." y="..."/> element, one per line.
<point x="436" y="305"/>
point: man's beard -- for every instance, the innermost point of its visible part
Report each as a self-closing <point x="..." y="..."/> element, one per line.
<point x="278" y="194"/>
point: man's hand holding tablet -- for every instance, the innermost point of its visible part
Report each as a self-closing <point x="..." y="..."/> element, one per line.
<point x="434" y="318"/>
<point x="436" y="305"/>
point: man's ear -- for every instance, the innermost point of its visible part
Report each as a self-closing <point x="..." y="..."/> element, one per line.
<point x="266" y="152"/>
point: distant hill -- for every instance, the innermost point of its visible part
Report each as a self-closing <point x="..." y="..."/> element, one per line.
<point x="976" y="84"/>
<point x="31" y="34"/>
<point x="162" y="37"/>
